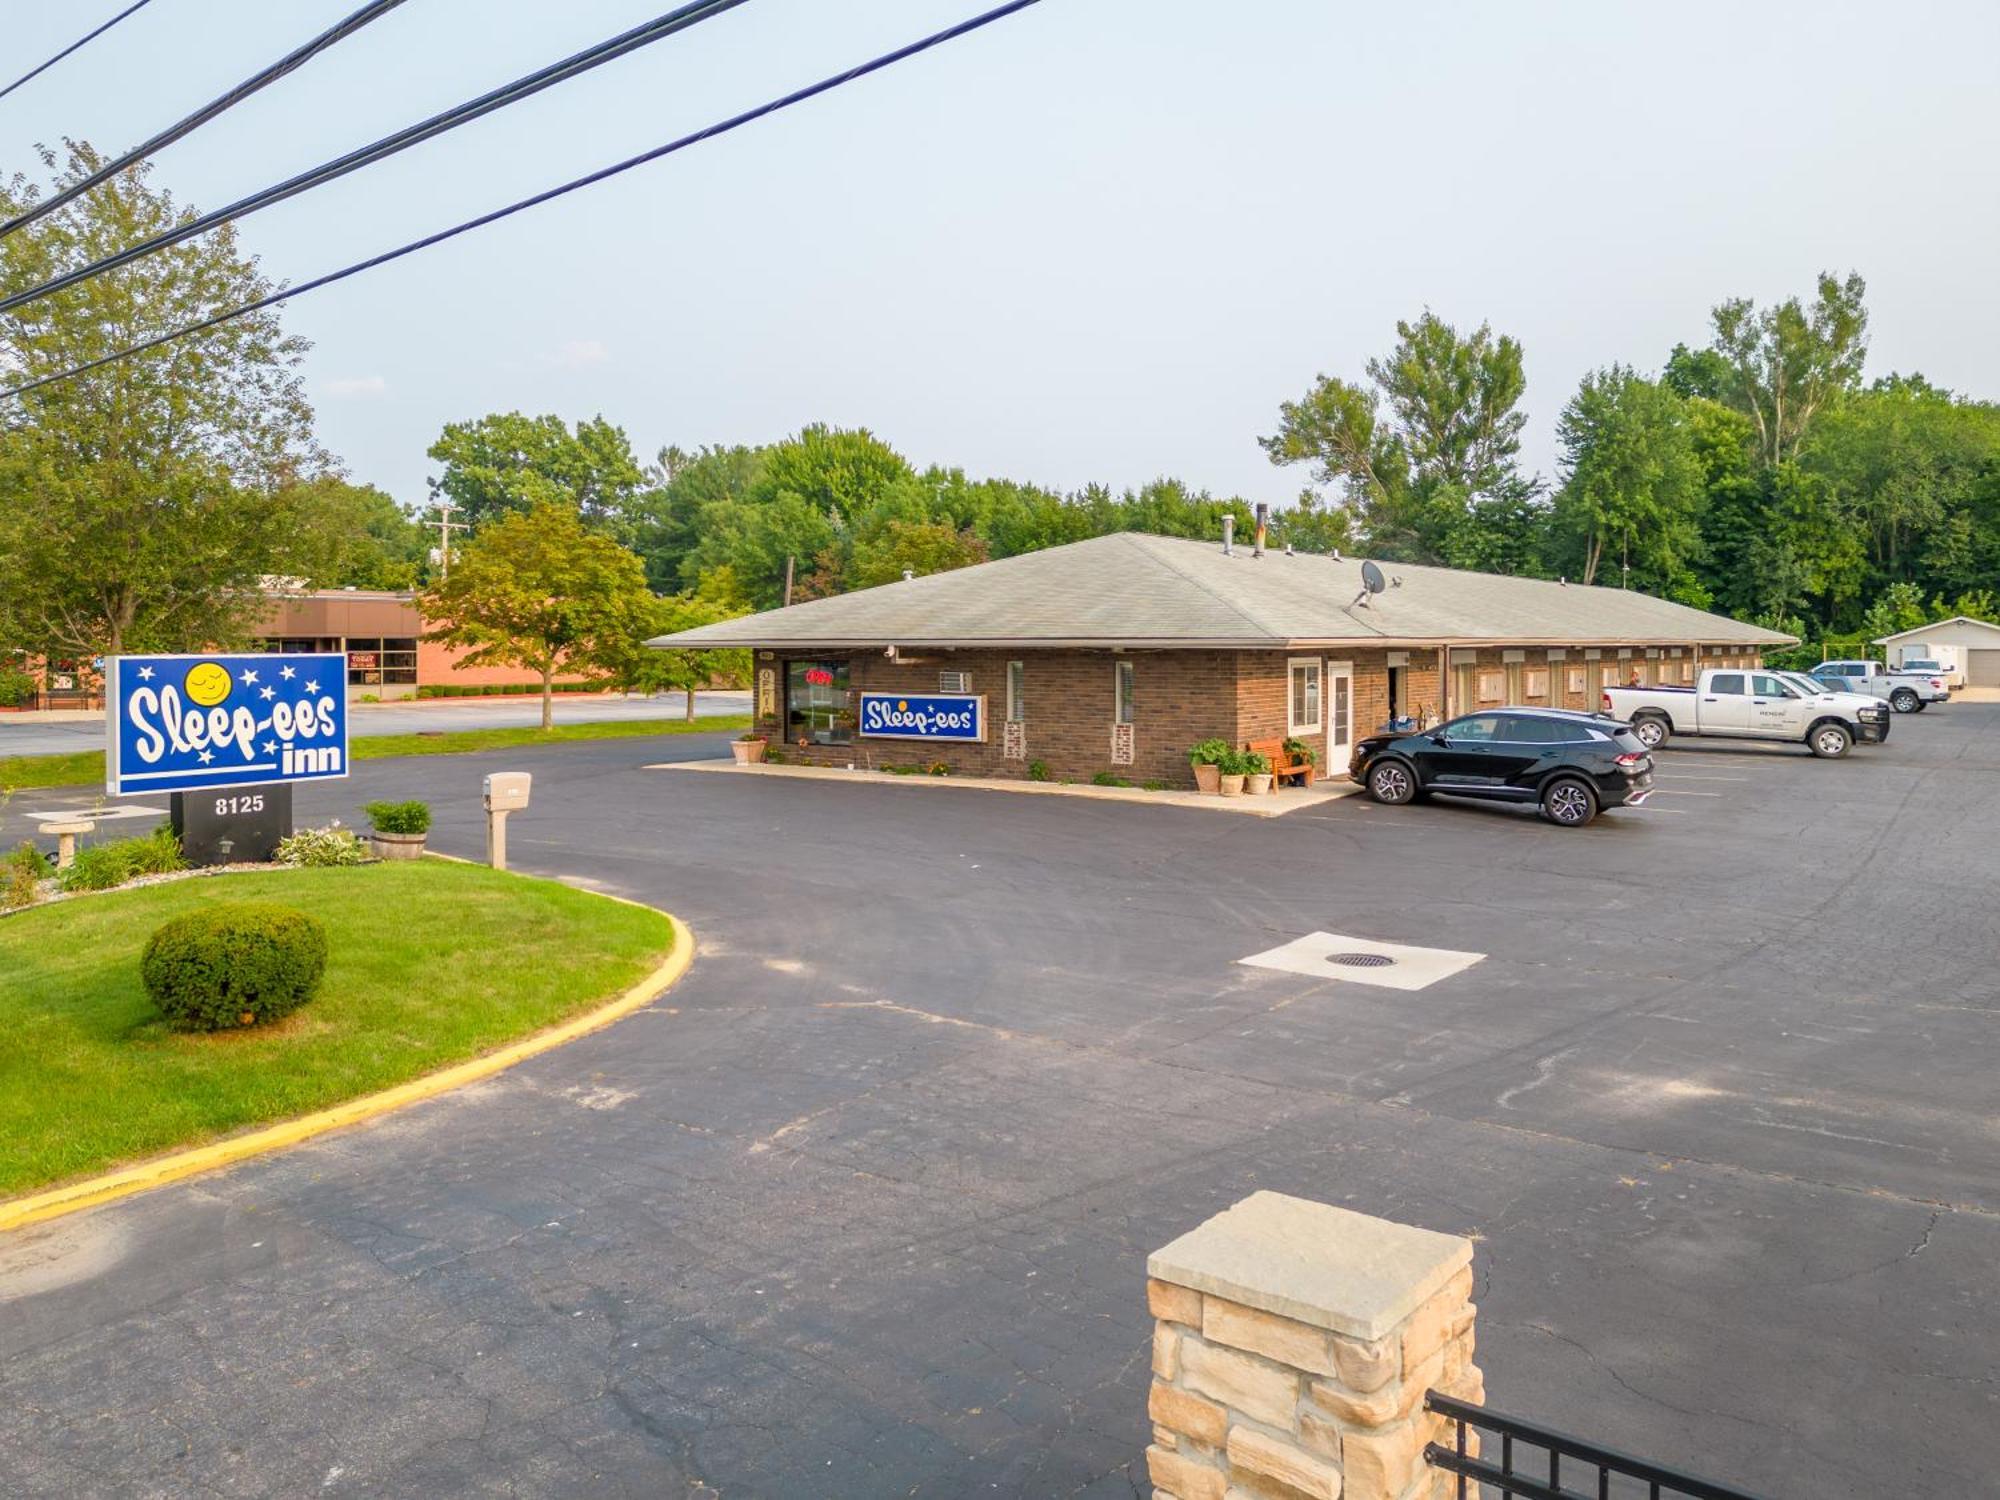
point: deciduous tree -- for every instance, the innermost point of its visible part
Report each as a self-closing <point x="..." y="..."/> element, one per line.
<point x="140" y="504"/>
<point x="540" y="590"/>
<point x="1437" y="429"/>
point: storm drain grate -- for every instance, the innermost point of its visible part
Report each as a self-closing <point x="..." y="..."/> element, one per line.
<point x="1361" y="960"/>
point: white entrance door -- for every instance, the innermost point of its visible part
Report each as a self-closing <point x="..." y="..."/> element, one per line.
<point x="1339" y="714"/>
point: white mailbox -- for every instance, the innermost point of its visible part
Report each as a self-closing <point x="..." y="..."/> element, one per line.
<point x="507" y="791"/>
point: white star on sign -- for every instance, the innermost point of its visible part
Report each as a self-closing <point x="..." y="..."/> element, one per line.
<point x="145" y="674"/>
<point x="268" y="693"/>
<point x="270" y="748"/>
<point x="312" y="687"/>
<point x="288" y="673"/>
<point x="207" y="756"/>
<point x="249" y="676"/>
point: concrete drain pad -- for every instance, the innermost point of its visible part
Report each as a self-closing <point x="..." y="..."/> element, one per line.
<point x="1396" y="966"/>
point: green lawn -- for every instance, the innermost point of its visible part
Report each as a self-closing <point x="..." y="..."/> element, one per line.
<point x="86" y="768"/>
<point x="431" y="962"/>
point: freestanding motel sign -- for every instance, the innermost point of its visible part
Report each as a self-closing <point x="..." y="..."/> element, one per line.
<point x="213" y="729"/>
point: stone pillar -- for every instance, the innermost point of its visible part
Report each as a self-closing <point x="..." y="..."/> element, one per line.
<point x="1293" y="1346"/>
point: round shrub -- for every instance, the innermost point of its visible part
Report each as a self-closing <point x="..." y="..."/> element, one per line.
<point x="242" y="963"/>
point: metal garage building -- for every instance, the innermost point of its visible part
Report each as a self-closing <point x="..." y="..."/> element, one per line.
<point x="1968" y="647"/>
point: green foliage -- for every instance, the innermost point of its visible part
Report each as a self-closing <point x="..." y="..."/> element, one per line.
<point x="1782" y="366"/>
<point x="1256" y="763"/>
<point x="312" y="847"/>
<point x="539" y="590"/>
<point x="1038" y="770"/>
<point x="1632" y="489"/>
<point x="1424" y="450"/>
<point x="16" y="687"/>
<point x="507" y="464"/>
<point x="238" y="964"/>
<point x="369" y="540"/>
<point x="101" y="867"/>
<point x="141" y="505"/>
<point x="1109" y="778"/>
<point x="1299" y="750"/>
<point x="399" y="817"/>
<point x="1209" y="753"/>
<point x="1153" y="786"/>
<point x="1233" y="762"/>
<point x="21" y="875"/>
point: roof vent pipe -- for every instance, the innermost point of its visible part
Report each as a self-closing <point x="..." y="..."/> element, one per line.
<point x="908" y="574"/>
<point x="1263" y="525"/>
<point x="1229" y="536"/>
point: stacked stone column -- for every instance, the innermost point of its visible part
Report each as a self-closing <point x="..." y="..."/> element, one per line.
<point x="1292" y="1348"/>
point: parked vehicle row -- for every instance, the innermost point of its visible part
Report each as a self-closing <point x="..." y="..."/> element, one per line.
<point x="1752" y="704"/>
<point x="1573" y="765"/>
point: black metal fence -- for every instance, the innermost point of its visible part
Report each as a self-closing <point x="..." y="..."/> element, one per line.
<point x="1517" y="1458"/>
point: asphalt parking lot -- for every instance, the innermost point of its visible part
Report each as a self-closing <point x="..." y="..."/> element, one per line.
<point x="862" y="1207"/>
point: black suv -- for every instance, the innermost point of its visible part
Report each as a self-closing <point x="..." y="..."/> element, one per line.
<point x="1572" y="764"/>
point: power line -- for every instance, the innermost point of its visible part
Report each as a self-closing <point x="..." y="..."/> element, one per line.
<point x="291" y="60"/>
<point x="521" y="88"/>
<point x="80" y="41"/>
<point x="709" y="132"/>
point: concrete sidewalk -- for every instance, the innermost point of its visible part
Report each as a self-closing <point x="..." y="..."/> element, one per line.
<point x="1273" y="805"/>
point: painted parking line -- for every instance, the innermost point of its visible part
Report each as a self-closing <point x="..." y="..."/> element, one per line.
<point x="1662" y="791"/>
<point x="1684" y="776"/>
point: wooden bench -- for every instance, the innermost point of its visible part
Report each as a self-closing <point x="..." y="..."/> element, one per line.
<point x="1283" y="763"/>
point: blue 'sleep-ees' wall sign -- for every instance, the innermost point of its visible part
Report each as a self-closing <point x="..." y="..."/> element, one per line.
<point x="189" y="723"/>
<point x="905" y="716"/>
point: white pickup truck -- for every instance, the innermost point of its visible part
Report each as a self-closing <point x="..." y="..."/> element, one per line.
<point x="1751" y="705"/>
<point x="1907" y="692"/>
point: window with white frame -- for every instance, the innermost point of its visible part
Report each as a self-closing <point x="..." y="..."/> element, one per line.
<point x="1017" y="708"/>
<point x="1303" y="714"/>
<point x="1121" y="692"/>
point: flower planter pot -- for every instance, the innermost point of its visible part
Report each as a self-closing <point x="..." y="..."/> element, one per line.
<point x="748" y="752"/>
<point x="1232" y="786"/>
<point x="398" y="845"/>
<point x="1208" y="779"/>
<point x="1258" y="785"/>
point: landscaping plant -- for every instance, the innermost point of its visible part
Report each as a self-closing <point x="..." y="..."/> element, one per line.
<point x="101" y="867"/>
<point x="21" y="877"/>
<point x="238" y="963"/>
<point x="1300" y="750"/>
<point x="331" y="845"/>
<point x="1209" y="753"/>
<point x="399" y="817"/>
<point x="1038" y="770"/>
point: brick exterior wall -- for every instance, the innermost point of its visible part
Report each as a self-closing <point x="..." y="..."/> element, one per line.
<point x="1178" y="698"/>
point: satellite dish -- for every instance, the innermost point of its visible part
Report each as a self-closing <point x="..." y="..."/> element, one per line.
<point x="1371" y="576"/>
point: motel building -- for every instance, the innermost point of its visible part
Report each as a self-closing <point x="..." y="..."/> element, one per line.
<point x="1118" y="653"/>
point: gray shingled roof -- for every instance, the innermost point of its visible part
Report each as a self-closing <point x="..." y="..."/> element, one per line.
<point x="1132" y="589"/>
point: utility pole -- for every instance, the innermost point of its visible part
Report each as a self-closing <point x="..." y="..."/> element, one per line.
<point x="446" y="526"/>
<point x="789" y="560"/>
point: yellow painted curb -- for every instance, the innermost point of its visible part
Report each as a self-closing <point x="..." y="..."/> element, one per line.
<point x="162" y="1170"/>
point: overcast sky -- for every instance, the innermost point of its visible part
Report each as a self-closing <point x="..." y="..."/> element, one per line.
<point x="1099" y="241"/>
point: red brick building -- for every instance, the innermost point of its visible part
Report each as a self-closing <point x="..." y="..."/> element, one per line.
<point x="1118" y="653"/>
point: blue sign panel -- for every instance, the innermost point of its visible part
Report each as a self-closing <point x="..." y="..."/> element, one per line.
<point x="190" y="723"/>
<point x="905" y="716"/>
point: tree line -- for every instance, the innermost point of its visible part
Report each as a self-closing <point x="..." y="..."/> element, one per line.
<point x="143" y="506"/>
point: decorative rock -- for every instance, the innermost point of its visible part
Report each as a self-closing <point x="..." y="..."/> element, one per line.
<point x="1284" y="1340"/>
<point x="1256" y="1389"/>
<point x="1184" y="1476"/>
<point x="1367" y="1365"/>
<point x="1259" y="1453"/>
<point x="1185" y="1413"/>
<point x="1166" y="1352"/>
<point x="1380" y="1464"/>
<point x="1327" y="1266"/>
<point x="1174" y="1304"/>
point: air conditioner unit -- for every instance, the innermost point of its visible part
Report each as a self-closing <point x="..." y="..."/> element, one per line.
<point x="954" y="682"/>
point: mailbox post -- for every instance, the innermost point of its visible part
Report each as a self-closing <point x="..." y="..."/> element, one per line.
<point x="504" y="792"/>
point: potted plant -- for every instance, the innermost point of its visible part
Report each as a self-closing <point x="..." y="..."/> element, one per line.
<point x="399" y="828"/>
<point x="749" y="748"/>
<point x="1206" y="760"/>
<point x="1299" y="750"/>
<point x="1232" y="769"/>
<point x="1257" y="774"/>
